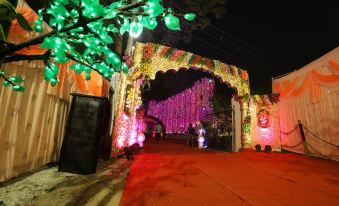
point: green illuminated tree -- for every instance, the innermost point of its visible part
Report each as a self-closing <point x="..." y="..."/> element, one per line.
<point x="206" y="10"/>
<point x="82" y="32"/>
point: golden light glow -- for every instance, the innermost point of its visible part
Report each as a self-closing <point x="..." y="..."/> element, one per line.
<point x="158" y="63"/>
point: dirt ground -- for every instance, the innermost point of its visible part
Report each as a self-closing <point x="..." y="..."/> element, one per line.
<point x="53" y="188"/>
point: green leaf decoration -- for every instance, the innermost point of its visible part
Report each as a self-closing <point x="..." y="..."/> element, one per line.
<point x="149" y="23"/>
<point x="106" y="38"/>
<point x="89" y="43"/>
<point x="54" y="68"/>
<point x="23" y="22"/>
<point x="16" y="79"/>
<point x="76" y="2"/>
<point x="38" y="27"/>
<point x="63" y="1"/>
<point x="93" y="8"/>
<point x="6" y="83"/>
<point x="49" y="74"/>
<point x="54" y="81"/>
<point x="124" y="27"/>
<point x="78" y="68"/>
<point x="110" y="14"/>
<point x="135" y="29"/>
<point x="38" y="23"/>
<point x="88" y="76"/>
<point x="115" y="5"/>
<point x="172" y="22"/>
<point x="154" y="8"/>
<point x="190" y="16"/>
<point x="116" y="62"/>
<point x="19" y="88"/>
<point x="124" y="68"/>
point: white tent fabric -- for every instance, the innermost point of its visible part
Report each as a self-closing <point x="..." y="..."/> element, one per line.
<point x="311" y="94"/>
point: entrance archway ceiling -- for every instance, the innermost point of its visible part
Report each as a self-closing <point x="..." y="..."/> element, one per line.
<point x="151" y="58"/>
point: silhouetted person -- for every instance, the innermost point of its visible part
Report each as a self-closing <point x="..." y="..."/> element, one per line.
<point x="158" y="134"/>
<point x="191" y="133"/>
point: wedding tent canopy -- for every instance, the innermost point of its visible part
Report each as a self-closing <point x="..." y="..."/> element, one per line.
<point x="311" y="95"/>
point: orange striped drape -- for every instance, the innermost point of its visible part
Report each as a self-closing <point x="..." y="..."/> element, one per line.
<point x="310" y="82"/>
<point x="18" y="34"/>
<point x="334" y="65"/>
<point x="286" y="87"/>
<point x="97" y="85"/>
<point x="325" y="78"/>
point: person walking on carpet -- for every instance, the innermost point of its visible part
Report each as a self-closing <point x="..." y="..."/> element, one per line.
<point x="191" y="133"/>
<point x="158" y="133"/>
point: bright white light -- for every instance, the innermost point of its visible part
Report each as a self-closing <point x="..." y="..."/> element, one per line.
<point x="264" y="129"/>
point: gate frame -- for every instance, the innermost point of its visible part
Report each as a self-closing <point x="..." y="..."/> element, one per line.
<point x="145" y="64"/>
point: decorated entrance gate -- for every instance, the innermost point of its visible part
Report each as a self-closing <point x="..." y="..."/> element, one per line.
<point x="148" y="59"/>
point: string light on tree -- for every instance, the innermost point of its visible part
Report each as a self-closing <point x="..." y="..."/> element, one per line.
<point x="83" y="24"/>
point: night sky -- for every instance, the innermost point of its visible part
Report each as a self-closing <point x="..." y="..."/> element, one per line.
<point x="268" y="38"/>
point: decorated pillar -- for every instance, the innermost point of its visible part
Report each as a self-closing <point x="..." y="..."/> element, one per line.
<point x="246" y="123"/>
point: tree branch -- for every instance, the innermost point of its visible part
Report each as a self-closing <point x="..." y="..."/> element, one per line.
<point x="83" y="63"/>
<point x="22" y="57"/>
<point x="40" y="39"/>
<point x="6" y="79"/>
<point x="6" y="43"/>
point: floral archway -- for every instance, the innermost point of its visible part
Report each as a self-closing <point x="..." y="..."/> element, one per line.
<point x="149" y="58"/>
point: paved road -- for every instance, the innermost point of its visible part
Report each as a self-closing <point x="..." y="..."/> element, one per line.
<point x="173" y="174"/>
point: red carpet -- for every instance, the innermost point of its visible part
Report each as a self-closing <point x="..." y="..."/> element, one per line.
<point x="173" y="174"/>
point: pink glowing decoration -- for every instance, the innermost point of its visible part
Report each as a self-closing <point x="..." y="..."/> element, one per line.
<point x="123" y="125"/>
<point x="190" y="106"/>
<point x="141" y="139"/>
<point x="265" y="136"/>
<point x="264" y="129"/>
<point x="201" y="138"/>
<point x="125" y="116"/>
<point x="133" y="137"/>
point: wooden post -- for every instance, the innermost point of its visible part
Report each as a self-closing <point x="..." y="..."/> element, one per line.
<point x="301" y="129"/>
